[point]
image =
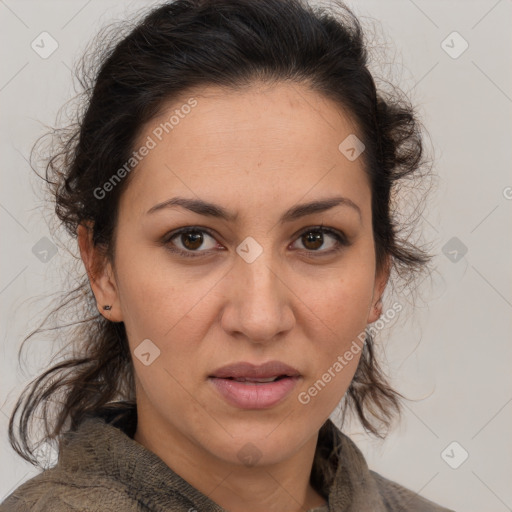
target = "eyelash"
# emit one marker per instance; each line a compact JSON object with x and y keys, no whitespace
{"x":340,"y":238}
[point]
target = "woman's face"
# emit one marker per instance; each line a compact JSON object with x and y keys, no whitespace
{"x":264,"y":284}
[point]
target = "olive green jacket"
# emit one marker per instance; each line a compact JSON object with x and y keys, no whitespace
{"x":102,"y":469}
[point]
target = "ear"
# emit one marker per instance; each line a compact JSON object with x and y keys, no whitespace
{"x":381,"y":280}
{"x":100,"y":273}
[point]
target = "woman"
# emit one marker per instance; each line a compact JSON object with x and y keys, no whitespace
{"x":231,"y":187}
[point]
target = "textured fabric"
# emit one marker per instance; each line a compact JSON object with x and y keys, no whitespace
{"x":102,"y":469}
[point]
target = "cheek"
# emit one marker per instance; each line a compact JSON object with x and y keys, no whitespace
{"x":156,"y":296}
{"x":341,"y":296}
{"x":337,"y":327}
{"x":338,"y":343}
{"x":162,"y":305}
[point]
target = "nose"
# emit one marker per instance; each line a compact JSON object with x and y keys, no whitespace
{"x":258,"y":306}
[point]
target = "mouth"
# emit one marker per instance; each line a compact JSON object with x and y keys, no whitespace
{"x":270,"y":370}
{"x":257,"y":381}
{"x":248,"y":386}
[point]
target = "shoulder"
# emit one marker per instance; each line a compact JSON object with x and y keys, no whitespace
{"x":398,"y":498}
{"x":54,"y":491}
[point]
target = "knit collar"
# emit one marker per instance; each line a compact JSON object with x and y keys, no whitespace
{"x":103,"y":445}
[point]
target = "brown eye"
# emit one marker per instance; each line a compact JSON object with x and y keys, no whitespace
{"x":314,"y":240}
{"x":193,"y":241}
{"x":190,"y":240}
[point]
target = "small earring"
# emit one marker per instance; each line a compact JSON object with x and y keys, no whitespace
{"x":107,"y":307}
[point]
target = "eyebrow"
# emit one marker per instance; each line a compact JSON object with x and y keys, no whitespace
{"x":296,"y":212}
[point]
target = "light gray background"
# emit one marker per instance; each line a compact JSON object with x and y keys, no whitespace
{"x":452,"y":354}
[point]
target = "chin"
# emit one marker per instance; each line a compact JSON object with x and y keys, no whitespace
{"x":251,"y":444}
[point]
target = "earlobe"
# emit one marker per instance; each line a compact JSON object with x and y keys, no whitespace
{"x":375,"y":312}
{"x":100,"y":274}
{"x":381,"y":281}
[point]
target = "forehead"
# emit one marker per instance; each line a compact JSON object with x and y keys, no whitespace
{"x":273,"y":115}
{"x":261,"y":143}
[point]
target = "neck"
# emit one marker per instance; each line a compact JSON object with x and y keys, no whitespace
{"x":284,"y":486}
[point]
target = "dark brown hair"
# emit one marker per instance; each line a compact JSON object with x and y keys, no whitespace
{"x":128,"y":77}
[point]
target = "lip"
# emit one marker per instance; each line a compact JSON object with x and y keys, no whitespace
{"x":246,"y":395}
{"x":249,"y":370}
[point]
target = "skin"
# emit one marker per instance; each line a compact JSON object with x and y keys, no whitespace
{"x":256,"y":152}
